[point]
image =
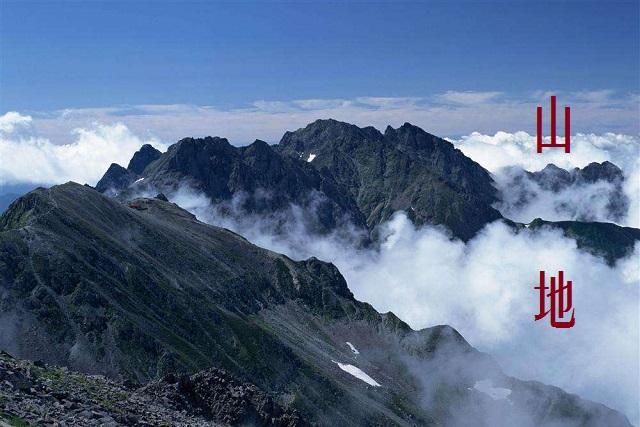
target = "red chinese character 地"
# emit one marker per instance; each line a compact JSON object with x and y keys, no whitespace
{"x":561,"y":301}
{"x":567,"y":128}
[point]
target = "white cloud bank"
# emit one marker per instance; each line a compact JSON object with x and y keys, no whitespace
{"x":485,"y":289}
{"x":503,"y":150}
{"x":28,"y":157}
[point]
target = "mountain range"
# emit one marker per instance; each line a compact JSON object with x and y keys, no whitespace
{"x":340,"y":174}
{"x":143,"y":290}
{"x":111,"y":281}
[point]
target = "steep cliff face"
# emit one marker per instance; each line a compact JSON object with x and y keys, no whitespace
{"x":142,"y":289}
{"x":143,"y":158}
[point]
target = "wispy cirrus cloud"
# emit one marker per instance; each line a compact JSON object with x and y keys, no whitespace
{"x":468,"y":97}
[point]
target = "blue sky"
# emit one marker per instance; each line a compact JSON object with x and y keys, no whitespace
{"x":84,"y":84}
{"x":57,"y":55}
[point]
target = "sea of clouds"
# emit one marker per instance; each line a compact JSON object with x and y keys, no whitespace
{"x":483,"y":288}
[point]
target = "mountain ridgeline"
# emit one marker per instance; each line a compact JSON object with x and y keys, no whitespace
{"x":143,"y":291}
{"x":341,"y":174}
{"x":192,"y":324}
{"x":349,"y":174}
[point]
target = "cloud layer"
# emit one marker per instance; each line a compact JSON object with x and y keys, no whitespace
{"x":451,"y":113}
{"x":484,"y":288}
{"x":27,"y":157}
{"x":503,"y":150}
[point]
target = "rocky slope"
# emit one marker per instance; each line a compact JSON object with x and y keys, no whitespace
{"x":254,"y":179}
{"x":34,"y":393}
{"x":404,"y":169}
{"x":143,"y":290}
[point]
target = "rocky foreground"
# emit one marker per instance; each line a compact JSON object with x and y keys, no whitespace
{"x":33,"y":393}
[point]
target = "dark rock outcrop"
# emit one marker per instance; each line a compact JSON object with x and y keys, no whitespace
{"x":118,"y":178}
{"x":115,"y":179}
{"x":603,"y":239}
{"x":404,"y":169}
{"x":262,"y":181}
{"x":142,"y":158}
{"x":34,"y":393}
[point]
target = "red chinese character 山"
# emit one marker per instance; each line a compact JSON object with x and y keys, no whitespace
{"x":567,"y":128}
{"x":560,"y":296}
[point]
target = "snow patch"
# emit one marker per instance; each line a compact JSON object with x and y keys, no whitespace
{"x":311,"y":157}
{"x":496,"y":393}
{"x":357,"y":372}
{"x":353,"y":349}
{"x":138,"y":180}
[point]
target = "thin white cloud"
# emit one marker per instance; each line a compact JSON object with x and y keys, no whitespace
{"x":451,"y":113}
{"x":319,"y":104}
{"x":468,"y":98}
{"x":389,"y":102}
{"x":12,"y":121}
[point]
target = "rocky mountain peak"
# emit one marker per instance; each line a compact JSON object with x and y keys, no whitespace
{"x":116,"y":177}
{"x":606,"y":171}
{"x":259,"y":149}
{"x":195,"y":147}
{"x":555,"y":178}
{"x":412,"y":137}
{"x":142,"y":158}
{"x":330,"y":134}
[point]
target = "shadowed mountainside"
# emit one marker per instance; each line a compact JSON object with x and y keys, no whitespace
{"x":142,"y":289}
{"x":404,"y":169}
{"x":342,"y":175}
{"x":347,"y":173}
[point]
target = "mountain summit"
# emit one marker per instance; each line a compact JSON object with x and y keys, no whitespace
{"x":404,"y":169}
